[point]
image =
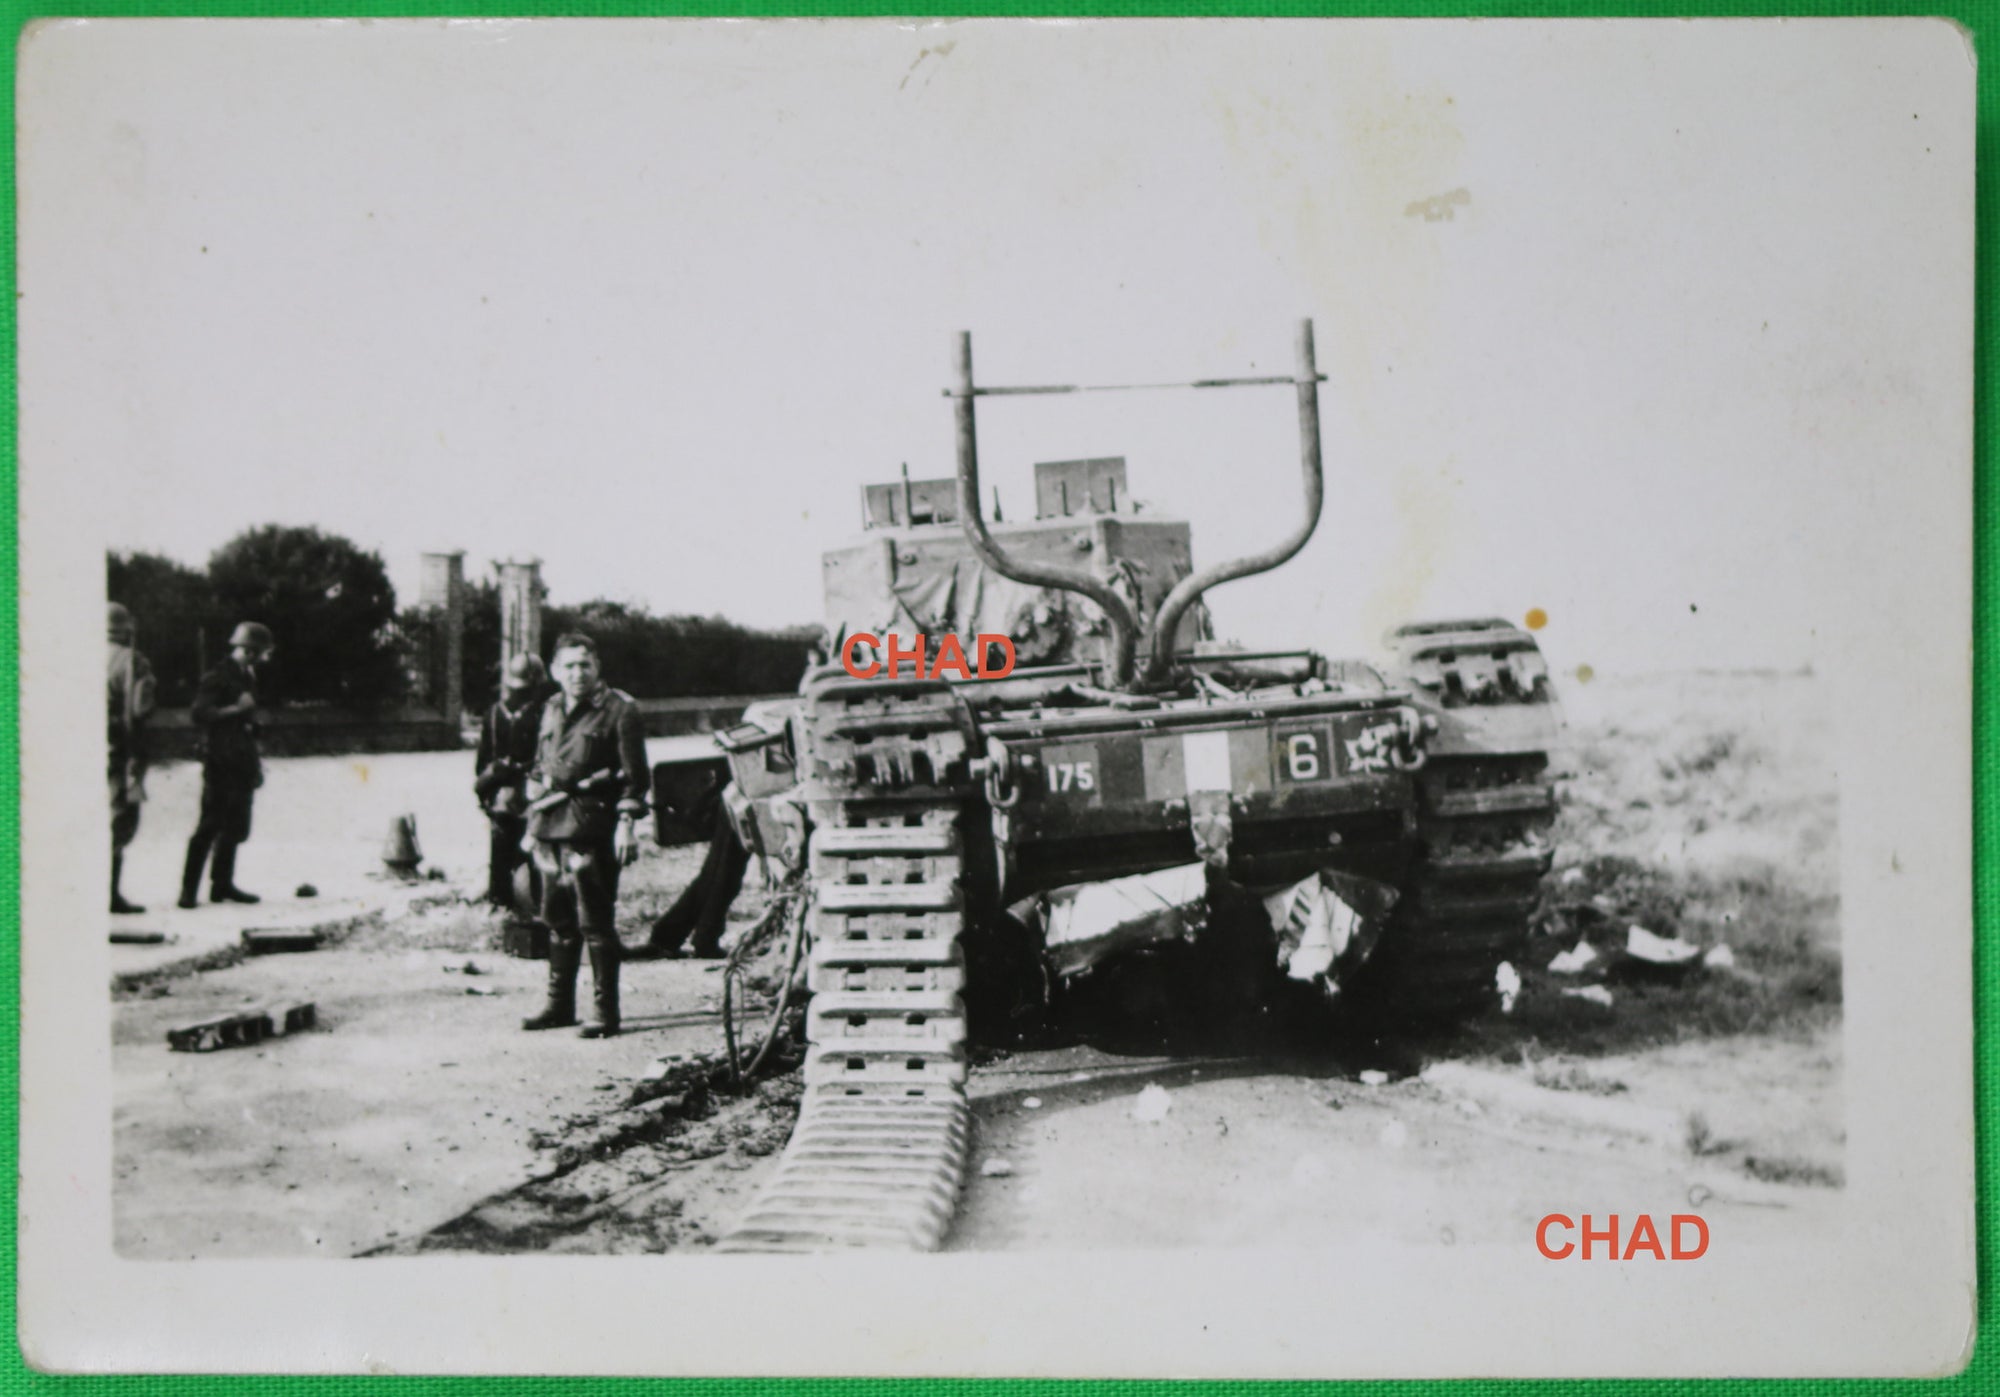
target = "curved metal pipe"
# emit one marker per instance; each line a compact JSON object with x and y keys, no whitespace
{"x":1167,"y":621}
{"x":1124,"y":627}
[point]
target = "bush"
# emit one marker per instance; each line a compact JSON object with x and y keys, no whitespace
{"x":330,"y":608}
{"x":682,"y":656}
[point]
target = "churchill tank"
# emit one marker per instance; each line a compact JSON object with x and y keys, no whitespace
{"x":1011,"y":713}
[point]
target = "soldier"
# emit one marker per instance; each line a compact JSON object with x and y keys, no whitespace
{"x":225,"y":708}
{"x":129,"y":702}
{"x":507,"y":740}
{"x":702,"y":909}
{"x":587,"y":790}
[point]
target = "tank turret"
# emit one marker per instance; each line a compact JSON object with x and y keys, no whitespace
{"x":915,"y":570}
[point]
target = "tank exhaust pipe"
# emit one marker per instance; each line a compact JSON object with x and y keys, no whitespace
{"x":1124,"y":626}
{"x":1188,"y":591}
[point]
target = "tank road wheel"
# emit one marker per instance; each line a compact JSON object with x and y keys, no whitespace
{"x":1482,"y":851}
{"x":879,"y":1150}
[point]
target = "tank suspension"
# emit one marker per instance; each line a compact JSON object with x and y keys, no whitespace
{"x":1166,"y":624}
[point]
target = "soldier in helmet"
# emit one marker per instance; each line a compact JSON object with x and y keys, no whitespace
{"x":225,"y":709}
{"x":129,"y":702}
{"x":507,"y":740}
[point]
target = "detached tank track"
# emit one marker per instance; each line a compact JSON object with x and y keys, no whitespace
{"x":1482,"y":853}
{"x":879,"y":1151}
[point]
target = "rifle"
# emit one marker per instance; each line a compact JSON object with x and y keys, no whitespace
{"x":551,"y":799}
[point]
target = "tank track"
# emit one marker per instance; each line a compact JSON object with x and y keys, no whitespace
{"x":879,"y":1151}
{"x":1482,"y":853}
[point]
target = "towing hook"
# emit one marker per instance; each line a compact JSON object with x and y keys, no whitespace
{"x":1413,"y":730}
{"x":997,"y":766}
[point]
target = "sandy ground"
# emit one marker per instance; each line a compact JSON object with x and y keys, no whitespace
{"x":417,"y":1096}
{"x":1304,"y":1154}
{"x":418,"y":1117}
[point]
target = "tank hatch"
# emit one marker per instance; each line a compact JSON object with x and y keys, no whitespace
{"x":901,"y":503}
{"x":1093,"y":486}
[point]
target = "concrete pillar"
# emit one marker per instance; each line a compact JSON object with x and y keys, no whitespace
{"x":521,"y":594}
{"x":441,"y":592}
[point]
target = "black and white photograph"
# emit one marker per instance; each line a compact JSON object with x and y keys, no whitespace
{"x":1235,"y":698}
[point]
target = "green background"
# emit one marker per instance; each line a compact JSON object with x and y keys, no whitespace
{"x":1984,"y":1373}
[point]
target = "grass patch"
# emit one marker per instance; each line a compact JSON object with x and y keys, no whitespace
{"x":1783,"y":1169}
{"x":1786,"y":979}
{"x":1701,"y":1139}
{"x":1571,"y":1076}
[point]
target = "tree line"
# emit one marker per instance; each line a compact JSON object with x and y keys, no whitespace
{"x":343,"y":641}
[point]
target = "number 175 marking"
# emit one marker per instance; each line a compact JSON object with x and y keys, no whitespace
{"x":1072,"y":776}
{"x":1071,"y":770}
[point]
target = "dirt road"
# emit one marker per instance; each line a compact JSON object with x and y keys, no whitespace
{"x":1302,"y":1153}
{"x":416,"y":1096}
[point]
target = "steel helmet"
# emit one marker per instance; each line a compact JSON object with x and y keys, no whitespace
{"x":118,"y":625}
{"x":253,"y":635}
{"x":523,"y":672}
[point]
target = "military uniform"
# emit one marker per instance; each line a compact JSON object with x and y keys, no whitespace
{"x":129,"y":699}
{"x":231,"y":772}
{"x":590,"y":769}
{"x":702,"y":909}
{"x":507,"y":741}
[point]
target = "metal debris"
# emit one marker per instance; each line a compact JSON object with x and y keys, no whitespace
{"x":1098,"y":920}
{"x":1328,"y":923}
{"x":1641,"y":944}
{"x":1572,"y":961}
{"x":260,"y":941}
{"x":242,"y":1030}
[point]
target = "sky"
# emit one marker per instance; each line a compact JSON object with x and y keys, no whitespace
{"x":1642,"y":326}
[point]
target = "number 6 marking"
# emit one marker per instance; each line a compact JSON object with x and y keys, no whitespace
{"x":1302,"y":756}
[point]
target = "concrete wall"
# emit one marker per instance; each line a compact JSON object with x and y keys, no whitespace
{"x":302,"y":732}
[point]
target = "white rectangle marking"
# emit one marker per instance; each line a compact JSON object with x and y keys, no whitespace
{"x":1206,"y":757}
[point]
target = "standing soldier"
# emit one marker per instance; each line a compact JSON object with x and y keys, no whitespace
{"x":507,"y":740}
{"x":587,"y":789}
{"x":225,"y":709}
{"x":129,"y":702}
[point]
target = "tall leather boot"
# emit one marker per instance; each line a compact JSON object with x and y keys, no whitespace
{"x":118,"y":903}
{"x":222,"y":875}
{"x":604,"y":957}
{"x":197,"y":859}
{"x":560,"y":1011}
